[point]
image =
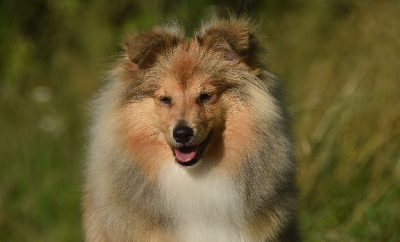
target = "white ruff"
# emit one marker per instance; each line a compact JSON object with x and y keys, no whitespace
{"x":205,"y":205}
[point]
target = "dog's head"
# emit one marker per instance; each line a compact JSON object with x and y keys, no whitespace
{"x":192,"y":83}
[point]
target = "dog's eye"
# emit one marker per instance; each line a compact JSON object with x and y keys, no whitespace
{"x":165,"y":100}
{"x":204,"y":97}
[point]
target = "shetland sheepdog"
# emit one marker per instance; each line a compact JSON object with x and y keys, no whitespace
{"x":189,"y":142}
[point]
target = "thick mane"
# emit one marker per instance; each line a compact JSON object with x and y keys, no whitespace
{"x":189,"y":142}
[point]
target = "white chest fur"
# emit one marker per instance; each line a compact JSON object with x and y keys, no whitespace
{"x":205,"y":205}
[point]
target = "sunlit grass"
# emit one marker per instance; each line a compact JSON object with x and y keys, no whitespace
{"x":346,"y":111}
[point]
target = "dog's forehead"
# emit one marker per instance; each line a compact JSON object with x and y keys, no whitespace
{"x":194,"y":68}
{"x":187,"y":63}
{"x":193,"y":82}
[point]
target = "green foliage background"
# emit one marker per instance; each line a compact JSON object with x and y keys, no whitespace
{"x":340,"y":65}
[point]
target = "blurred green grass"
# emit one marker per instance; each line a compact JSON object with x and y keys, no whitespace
{"x":339,"y":62}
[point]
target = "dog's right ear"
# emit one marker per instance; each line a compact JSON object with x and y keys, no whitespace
{"x":143,"y":49}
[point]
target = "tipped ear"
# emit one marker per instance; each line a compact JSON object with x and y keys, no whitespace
{"x":233,"y":37}
{"x":143,"y":49}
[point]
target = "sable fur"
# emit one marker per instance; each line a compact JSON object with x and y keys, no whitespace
{"x":242,"y":189}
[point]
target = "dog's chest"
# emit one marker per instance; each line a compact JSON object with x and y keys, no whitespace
{"x":205,"y":206}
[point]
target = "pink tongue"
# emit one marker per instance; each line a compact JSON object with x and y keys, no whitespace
{"x":185,"y":155}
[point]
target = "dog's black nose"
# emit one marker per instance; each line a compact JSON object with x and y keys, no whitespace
{"x":182,"y":134}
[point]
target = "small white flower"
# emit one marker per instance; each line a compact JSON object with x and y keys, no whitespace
{"x":41,"y":94}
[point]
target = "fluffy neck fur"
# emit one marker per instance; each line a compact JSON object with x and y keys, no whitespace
{"x":204,"y":205}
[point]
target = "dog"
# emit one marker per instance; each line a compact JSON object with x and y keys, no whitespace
{"x":189,"y":141}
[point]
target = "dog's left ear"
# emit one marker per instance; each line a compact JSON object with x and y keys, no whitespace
{"x":234,"y":38}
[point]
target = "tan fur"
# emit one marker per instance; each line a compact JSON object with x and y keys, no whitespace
{"x":241,"y":189}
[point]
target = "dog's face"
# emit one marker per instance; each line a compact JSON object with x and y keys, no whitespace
{"x":189,"y":105}
{"x":192,"y":84}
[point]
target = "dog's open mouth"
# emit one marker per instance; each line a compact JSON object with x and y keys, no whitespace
{"x":190,"y":155}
